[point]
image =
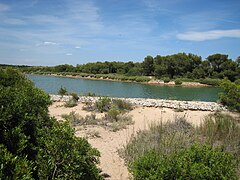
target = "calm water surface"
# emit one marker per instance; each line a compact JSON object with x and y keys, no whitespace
{"x":51,"y":84}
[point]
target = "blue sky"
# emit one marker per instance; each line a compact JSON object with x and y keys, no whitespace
{"x":51,"y":32}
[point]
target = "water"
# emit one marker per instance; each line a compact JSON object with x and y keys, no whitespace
{"x":51,"y":84}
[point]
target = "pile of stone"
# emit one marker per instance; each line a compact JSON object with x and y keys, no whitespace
{"x":174,"y":104}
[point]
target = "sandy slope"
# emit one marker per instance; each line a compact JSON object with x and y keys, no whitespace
{"x":109,"y":142}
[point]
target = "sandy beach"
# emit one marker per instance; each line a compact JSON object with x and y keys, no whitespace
{"x":109,"y":142}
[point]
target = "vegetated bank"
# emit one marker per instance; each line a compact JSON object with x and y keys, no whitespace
{"x":177,"y":68}
{"x":174,"y":104}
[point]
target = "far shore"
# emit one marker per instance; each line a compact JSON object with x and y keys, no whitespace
{"x":151,"y":82}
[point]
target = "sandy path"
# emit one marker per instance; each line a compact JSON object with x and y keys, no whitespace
{"x":109,"y":142}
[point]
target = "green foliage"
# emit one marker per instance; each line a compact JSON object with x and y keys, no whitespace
{"x":223,"y":130}
{"x":74,"y":96}
{"x":113,"y":114}
{"x":169,"y":140}
{"x":75,"y":119}
{"x":208,"y":81}
{"x":164,"y":138}
{"x":103,"y":104}
{"x":122,"y":105}
{"x":166,"y":79}
{"x":237,"y":82}
{"x":231,"y":95}
{"x":33,"y":145}
{"x":70,"y":103}
{"x":148,"y":66}
{"x":178,"y":81}
{"x":195,"y":162}
{"x":67,"y":156}
{"x":14,"y":167}
{"x":62,"y":91}
{"x":180,"y":65}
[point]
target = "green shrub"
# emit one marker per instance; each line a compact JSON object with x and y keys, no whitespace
{"x":70,"y":103}
{"x":164,"y":138}
{"x":62,"y":91}
{"x":237,"y":82}
{"x":178,"y":81}
{"x":33,"y":145}
{"x":221,"y":130}
{"x":75,"y":96}
{"x":212,"y":82}
{"x":195,"y":162}
{"x":75,"y":119}
{"x":142,"y":79}
{"x":14,"y":167}
{"x":103,"y":104}
{"x":122,"y":105}
{"x":113,"y":114}
{"x":230,"y":95}
{"x":166,"y":79}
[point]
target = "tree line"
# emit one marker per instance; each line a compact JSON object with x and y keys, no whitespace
{"x":180,"y":65}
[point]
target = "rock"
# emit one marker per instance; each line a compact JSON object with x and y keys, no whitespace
{"x":187,"y":105}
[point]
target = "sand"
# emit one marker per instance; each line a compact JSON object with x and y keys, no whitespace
{"x":109,"y":142}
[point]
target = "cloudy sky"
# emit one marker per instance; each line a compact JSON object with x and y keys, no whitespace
{"x":51,"y":32}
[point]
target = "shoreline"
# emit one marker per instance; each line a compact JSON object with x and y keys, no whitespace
{"x":162,"y":103}
{"x":150,"y":82}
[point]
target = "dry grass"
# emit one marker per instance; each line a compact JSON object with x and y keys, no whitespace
{"x":218,"y":130}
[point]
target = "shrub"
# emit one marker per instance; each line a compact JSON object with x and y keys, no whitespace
{"x":75,"y":96}
{"x":122,"y":105}
{"x":230,"y":95}
{"x":33,"y":145}
{"x":103,"y":104}
{"x":76,"y":119}
{"x":70,"y":103}
{"x":178,"y":81}
{"x":164,"y":138}
{"x":62,"y":91}
{"x":113,"y":114}
{"x":221,"y":129}
{"x":195,"y":162}
{"x":166,"y":79}
{"x":212,"y":82}
{"x":237,"y":82}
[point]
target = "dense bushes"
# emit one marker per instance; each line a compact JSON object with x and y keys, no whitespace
{"x":33,"y":145}
{"x":231,"y":95}
{"x":195,"y":162}
{"x":176,"y":150}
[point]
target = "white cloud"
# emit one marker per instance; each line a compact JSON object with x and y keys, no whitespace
{"x":208,"y":35}
{"x":47,"y":43}
{"x":68,"y":54}
{"x":77,"y":47}
{"x":4,"y":7}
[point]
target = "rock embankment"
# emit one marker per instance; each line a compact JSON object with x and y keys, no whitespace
{"x":174,"y":104}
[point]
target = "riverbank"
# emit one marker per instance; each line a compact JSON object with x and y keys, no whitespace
{"x":157,"y":103}
{"x":142,"y":80}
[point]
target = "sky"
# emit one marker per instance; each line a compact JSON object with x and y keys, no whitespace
{"x":52,"y":32}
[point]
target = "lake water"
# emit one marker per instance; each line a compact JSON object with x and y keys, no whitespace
{"x":51,"y":84}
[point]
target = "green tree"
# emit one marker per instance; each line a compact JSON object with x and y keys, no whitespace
{"x":230,"y":95}
{"x":148,"y":66}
